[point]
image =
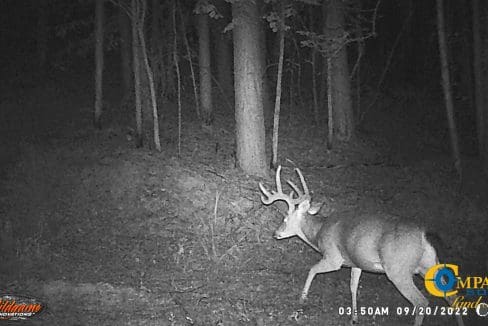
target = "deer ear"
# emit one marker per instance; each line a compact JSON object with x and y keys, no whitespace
{"x":304,"y":205}
{"x":315,"y":208}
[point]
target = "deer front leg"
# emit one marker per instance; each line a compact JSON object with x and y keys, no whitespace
{"x":355,"y":275}
{"x":327,"y":264}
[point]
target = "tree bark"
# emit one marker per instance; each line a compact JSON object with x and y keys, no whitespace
{"x":137,"y":74}
{"x":98,"y":62}
{"x":205,"y":73}
{"x":341,"y":84}
{"x":263,"y":54}
{"x":177,"y":69}
{"x":446,"y":85}
{"x":250,"y":135}
{"x":190,"y":63}
{"x":150,"y":79}
{"x":277,"y":107}
{"x":156,"y":44}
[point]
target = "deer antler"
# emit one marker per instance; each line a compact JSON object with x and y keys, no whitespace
{"x":301,"y":195}
{"x":271,"y":197}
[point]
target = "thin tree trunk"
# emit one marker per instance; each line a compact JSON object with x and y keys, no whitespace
{"x":291,"y":100}
{"x":152,"y":91}
{"x":125,"y":51}
{"x":330,"y":109}
{"x":137,"y":73}
{"x":479,"y":100}
{"x":98,"y":62}
{"x":323,"y":81}
{"x":276,"y":118}
{"x":205,"y":73}
{"x":313,"y":61}
{"x":169,"y":73}
{"x":190,"y":62}
{"x":178,"y":75}
{"x":156,"y":44}
{"x":446,"y":85}
{"x":250,"y":135}
{"x":298,"y":81}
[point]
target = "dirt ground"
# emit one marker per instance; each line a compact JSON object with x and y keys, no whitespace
{"x":106,"y":234}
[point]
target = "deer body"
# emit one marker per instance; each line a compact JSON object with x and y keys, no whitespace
{"x":375,"y":243}
{"x":367,"y":241}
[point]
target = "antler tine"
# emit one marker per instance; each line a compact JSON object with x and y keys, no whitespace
{"x":270,"y":197}
{"x":302,"y":179}
{"x":295,"y":188}
{"x":278,"y":180}
{"x":291,"y":195}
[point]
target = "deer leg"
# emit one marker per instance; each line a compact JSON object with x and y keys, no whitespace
{"x":404,"y":283}
{"x":325,"y":265}
{"x":449,"y":300}
{"x":355,"y":275}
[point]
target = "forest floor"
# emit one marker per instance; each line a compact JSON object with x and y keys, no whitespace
{"x":106,"y":234}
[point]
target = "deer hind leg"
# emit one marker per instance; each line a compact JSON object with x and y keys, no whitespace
{"x":404,"y":283}
{"x":355,"y":275}
{"x":326,"y":264}
{"x":449,"y":300}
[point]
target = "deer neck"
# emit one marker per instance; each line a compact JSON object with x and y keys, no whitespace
{"x":310,"y":228}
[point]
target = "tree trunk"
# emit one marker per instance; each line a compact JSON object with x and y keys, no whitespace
{"x":223,"y":45}
{"x":446,"y":85}
{"x":137,"y":74}
{"x":276,"y":118}
{"x":98,"y":62}
{"x":250,"y":135}
{"x":313,"y":60}
{"x":263,"y":53}
{"x":341,"y":84}
{"x":177,"y":69}
{"x":125,"y":52}
{"x":190,"y":64}
{"x":150,"y":79}
{"x":205,"y":73}
{"x":156,"y":44}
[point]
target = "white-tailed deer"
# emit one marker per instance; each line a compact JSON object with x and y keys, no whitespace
{"x":374,"y":243}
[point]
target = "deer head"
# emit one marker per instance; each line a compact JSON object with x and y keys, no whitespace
{"x":298,"y":208}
